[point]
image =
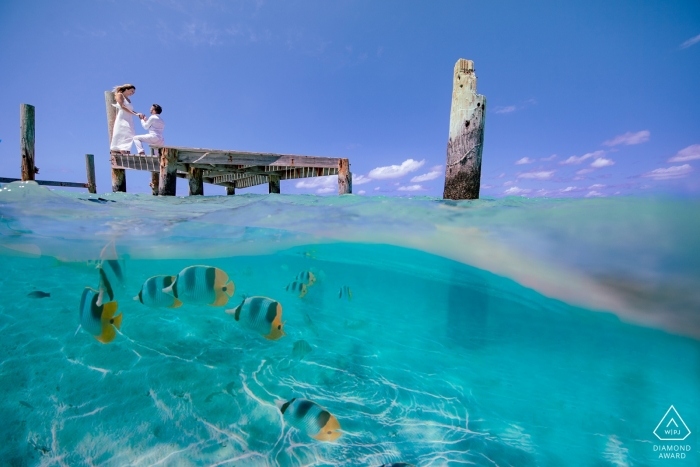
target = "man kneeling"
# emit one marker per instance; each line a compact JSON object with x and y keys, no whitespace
{"x":155,"y":126}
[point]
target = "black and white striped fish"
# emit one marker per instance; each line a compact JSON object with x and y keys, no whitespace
{"x":99,"y":320}
{"x":152,"y":295}
{"x":202,"y":285}
{"x":297,"y":288}
{"x":345,"y":292}
{"x":112,"y":278}
{"x":306,"y":277}
{"x":311,"y":419}
{"x":262,"y":315}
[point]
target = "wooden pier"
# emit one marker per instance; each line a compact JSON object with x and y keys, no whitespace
{"x":231,"y":169}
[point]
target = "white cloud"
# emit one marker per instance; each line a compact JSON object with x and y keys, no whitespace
{"x":486,"y":187}
{"x":594,"y":193}
{"x":508,"y":183}
{"x":570,"y":188}
{"x":629,"y":138}
{"x":360,"y":179}
{"x":578,"y":160}
{"x":320,"y":184}
{"x":688,"y":154}
{"x":524,"y":160}
{"x":550,"y":158}
{"x":678,"y":171}
{"x":434,"y":173}
{"x":501,"y":176}
{"x":583,"y":172}
{"x":516,"y":191}
{"x":411,"y":188}
{"x":505,"y":110}
{"x":376,"y":188}
{"x":691,"y":41}
{"x":542,"y":175}
{"x":396,"y":171}
{"x":600,"y":162}
{"x":597,"y":185}
{"x":361,"y":192}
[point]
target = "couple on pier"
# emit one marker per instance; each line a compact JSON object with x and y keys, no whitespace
{"x":123,"y":131}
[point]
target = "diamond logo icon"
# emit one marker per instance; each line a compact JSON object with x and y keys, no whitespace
{"x":672,"y":427}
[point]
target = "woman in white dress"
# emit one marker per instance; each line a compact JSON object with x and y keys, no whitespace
{"x":123,"y":131}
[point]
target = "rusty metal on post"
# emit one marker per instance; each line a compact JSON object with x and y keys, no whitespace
{"x":168,"y":172}
{"x":26,"y":141}
{"x":90,"y":171}
{"x":344,"y":177}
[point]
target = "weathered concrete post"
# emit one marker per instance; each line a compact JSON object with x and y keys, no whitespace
{"x":90,"y":170}
{"x":344,"y":177}
{"x":26,"y":141}
{"x":168,"y":172}
{"x":118,"y":175}
{"x":467,"y":119}
{"x":195,"y":181}
{"x":273,"y":183}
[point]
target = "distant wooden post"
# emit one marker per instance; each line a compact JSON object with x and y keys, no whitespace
{"x":26,"y":141}
{"x":118,"y":175}
{"x":90,"y":170}
{"x":273,"y":184}
{"x":196,"y":182}
{"x":168,"y":172}
{"x":344,"y":177}
{"x":230,"y":189}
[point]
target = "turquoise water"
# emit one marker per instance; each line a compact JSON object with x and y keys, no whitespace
{"x":512,"y":333}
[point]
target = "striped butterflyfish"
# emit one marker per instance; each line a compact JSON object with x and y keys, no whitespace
{"x":152,"y":295}
{"x":99,"y":320}
{"x":202,"y":285}
{"x":345,"y":292}
{"x":311,"y":419}
{"x":262,"y":315}
{"x":297,"y":288}
{"x":112,"y":277}
{"x":306,"y":277}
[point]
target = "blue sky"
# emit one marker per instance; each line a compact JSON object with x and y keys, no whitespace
{"x":591,"y":98}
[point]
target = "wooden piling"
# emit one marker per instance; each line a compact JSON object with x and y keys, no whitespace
{"x":195,"y":181}
{"x":155,"y":177}
{"x":273,"y":184}
{"x":168,"y":172}
{"x":26,"y":141}
{"x":344,"y":177}
{"x":230,"y":190}
{"x":90,"y":170}
{"x":118,"y":175}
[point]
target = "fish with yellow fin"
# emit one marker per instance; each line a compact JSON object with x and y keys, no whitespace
{"x":297,"y":288}
{"x":112,"y":272}
{"x":152,"y":295}
{"x":311,"y":419}
{"x":202,"y":285}
{"x":101,"y":321}
{"x":306,"y":277}
{"x":262,"y":315}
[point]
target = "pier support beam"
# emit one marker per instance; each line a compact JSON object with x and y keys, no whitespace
{"x":344,"y":177}
{"x":90,"y":170}
{"x":168,"y":172}
{"x":155,"y":178}
{"x":230,"y":189}
{"x":196,"y":182}
{"x":273,"y":184}
{"x":26,"y":141}
{"x":118,"y":175}
{"x":466,"y":140}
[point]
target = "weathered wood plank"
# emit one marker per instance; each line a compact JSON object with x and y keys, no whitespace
{"x":90,"y":171}
{"x":168,"y":172}
{"x":26,"y":141}
{"x":155,"y":181}
{"x":118,"y":180}
{"x":344,"y":177}
{"x":251,"y":181}
{"x":218,"y":156}
{"x":195,"y":181}
{"x":46,"y":182}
